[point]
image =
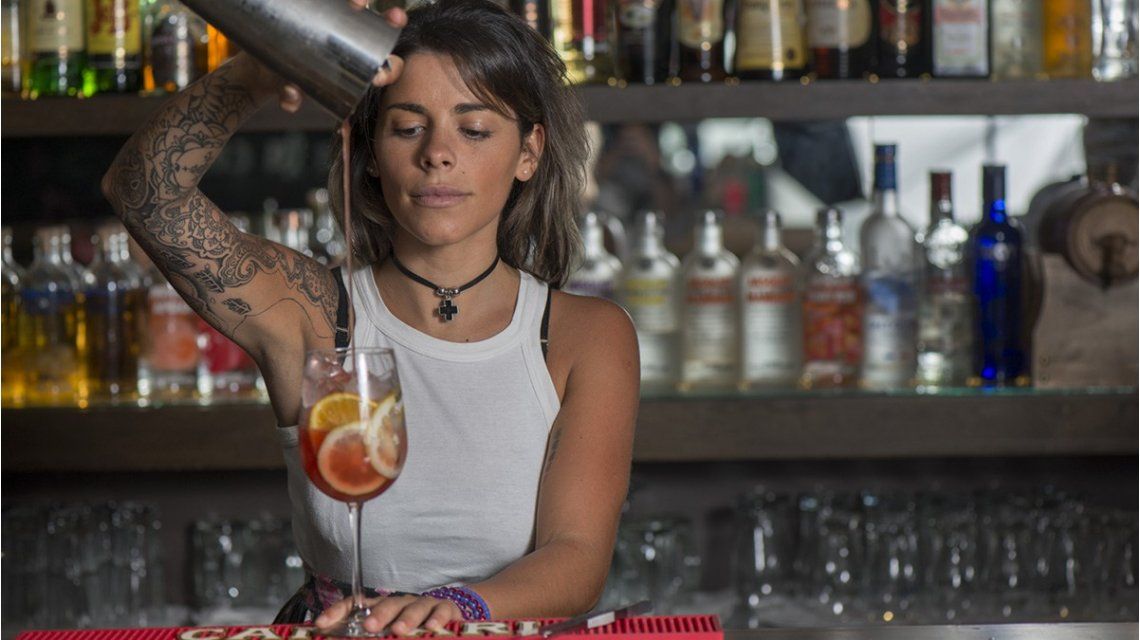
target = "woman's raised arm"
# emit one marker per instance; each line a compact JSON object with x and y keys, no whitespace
{"x":255,"y":291}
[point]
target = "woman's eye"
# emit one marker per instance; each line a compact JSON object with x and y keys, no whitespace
{"x":476,"y":134}
{"x":407,"y":132}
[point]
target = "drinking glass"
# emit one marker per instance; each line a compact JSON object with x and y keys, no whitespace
{"x":353,"y":441}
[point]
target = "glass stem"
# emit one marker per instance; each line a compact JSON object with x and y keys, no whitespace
{"x":357,"y":569}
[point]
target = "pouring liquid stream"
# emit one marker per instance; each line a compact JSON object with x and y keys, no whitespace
{"x":346,"y":154}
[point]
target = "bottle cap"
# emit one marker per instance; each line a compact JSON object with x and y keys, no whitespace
{"x":940,"y":185}
{"x":885,"y":167}
{"x":771,"y":219}
{"x":829,"y":216}
{"x":993,"y":182}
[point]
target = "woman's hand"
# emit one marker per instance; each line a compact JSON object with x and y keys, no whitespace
{"x":403,"y":614}
{"x":290,"y":95}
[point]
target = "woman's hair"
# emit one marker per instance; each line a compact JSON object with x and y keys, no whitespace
{"x":513,"y":70}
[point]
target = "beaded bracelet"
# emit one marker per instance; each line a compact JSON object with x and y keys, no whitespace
{"x":471,"y":605}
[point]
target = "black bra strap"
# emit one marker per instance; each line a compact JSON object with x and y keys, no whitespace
{"x":341,"y":310}
{"x":543,"y":337}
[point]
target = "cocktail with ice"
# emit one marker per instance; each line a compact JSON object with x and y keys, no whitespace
{"x":353,"y":439}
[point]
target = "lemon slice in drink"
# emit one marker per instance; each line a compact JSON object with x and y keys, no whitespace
{"x":343,"y":461}
{"x":383,"y":437}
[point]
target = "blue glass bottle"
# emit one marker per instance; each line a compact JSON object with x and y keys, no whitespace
{"x":998,"y":257}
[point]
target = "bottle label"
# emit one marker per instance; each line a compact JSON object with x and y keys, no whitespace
{"x":838,"y":24}
{"x":900,"y":22}
{"x":832,"y":321}
{"x":650,"y":303}
{"x":701,"y":22}
{"x":173,"y":332}
{"x":637,"y":15}
{"x":889,"y":327}
{"x":710,"y":328}
{"x":945,"y":336}
{"x":113,"y":28}
{"x":770,"y":35}
{"x":589,"y":287}
{"x":55,"y":24}
{"x":960,"y":37}
{"x":769,"y":328}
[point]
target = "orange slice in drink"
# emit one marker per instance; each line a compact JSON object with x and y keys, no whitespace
{"x":337,"y":409}
{"x":383,"y":437}
{"x":343,"y":461}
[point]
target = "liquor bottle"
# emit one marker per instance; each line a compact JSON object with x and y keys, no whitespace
{"x":219,"y":48}
{"x":710,"y":336}
{"x":13,"y":47}
{"x":293,"y":226}
{"x":946,"y":313}
{"x":227,"y":371}
{"x":329,"y":247}
{"x":536,"y":13}
{"x":649,"y":292}
{"x":56,"y":39}
{"x":1114,"y":39}
{"x":770,"y":43}
{"x":48,"y":324}
{"x":114,"y":47}
{"x":996,"y":247}
{"x":960,"y":38}
{"x":580,"y":33}
{"x":889,"y":281}
{"x":599,"y":270}
{"x":1067,"y":35}
{"x":113,"y":306}
{"x":839,"y":33}
{"x":644,"y":41}
{"x":172,"y":355}
{"x":12,"y":384}
{"x":902,"y":44}
{"x":83,"y":281}
{"x":176,"y":47}
{"x":832,"y":308}
{"x":1016,"y":38}
{"x":770,"y":332}
{"x":699,"y":40}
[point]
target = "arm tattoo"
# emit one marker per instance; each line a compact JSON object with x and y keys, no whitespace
{"x":153,"y":185}
{"x":555,"y":438}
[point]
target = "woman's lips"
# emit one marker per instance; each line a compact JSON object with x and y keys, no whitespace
{"x":438,"y":197}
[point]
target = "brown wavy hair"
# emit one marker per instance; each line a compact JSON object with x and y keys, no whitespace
{"x":513,"y":70}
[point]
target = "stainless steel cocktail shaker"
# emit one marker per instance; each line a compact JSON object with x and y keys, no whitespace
{"x":329,"y":48}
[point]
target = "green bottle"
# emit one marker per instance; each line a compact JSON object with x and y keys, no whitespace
{"x":57,"y":45}
{"x":114,"y":47}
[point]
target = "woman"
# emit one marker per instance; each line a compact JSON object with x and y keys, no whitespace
{"x":467,"y":158}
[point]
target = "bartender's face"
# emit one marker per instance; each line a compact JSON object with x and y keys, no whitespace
{"x":447,"y":161}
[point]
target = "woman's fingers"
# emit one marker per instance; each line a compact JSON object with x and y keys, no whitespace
{"x":413,"y":616}
{"x":333,"y":614}
{"x":389,"y":73}
{"x":290,"y":97}
{"x":385,"y":610}
{"x":397,"y":17}
{"x":443,"y":612}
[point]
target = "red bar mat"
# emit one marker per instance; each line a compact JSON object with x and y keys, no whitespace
{"x":664,"y":627}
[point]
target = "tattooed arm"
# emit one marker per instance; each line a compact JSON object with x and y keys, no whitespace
{"x":272,"y":301}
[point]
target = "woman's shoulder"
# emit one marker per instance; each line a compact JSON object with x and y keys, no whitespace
{"x":587,"y":322}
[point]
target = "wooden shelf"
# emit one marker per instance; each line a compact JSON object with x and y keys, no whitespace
{"x":121,"y":115}
{"x":720,"y":427}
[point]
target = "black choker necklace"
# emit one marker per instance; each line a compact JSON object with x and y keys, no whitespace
{"x":446,"y":309}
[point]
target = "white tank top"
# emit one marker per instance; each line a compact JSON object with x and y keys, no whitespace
{"x":478,"y":417}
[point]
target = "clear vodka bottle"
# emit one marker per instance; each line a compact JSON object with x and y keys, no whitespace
{"x":945,"y":320}
{"x":832,"y":308}
{"x":710,"y":335}
{"x":649,"y":291}
{"x":598,"y":271}
{"x":890,"y":284}
{"x":50,"y":324}
{"x":770,"y":332}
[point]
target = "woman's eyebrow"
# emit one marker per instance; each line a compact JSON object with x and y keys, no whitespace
{"x":459,"y":109}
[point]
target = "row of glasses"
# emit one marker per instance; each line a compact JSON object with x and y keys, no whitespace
{"x":871,"y":557}
{"x":242,"y":566}
{"x":655,"y":559}
{"x":83,"y":566}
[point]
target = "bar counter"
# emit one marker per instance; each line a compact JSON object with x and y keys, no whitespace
{"x":1054,"y":631}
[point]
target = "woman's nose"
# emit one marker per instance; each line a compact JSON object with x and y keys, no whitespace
{"x":437,"y":152}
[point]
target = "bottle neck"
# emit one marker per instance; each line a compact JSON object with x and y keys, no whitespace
{"x":7,"y":255}
{"x":995,"y":211}
{"x":593,"y":241}
{"x":941,"y":209}
{"x":771,"y":239}
{"x":649,"y":243}
{"x":886,"y":201}
{"x":832,"y":237}
{"x":710,"y":240}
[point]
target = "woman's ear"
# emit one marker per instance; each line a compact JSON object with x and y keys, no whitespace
{"x":533,"y":144}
